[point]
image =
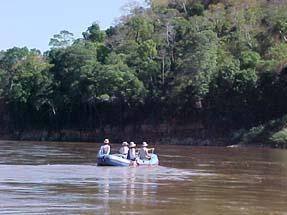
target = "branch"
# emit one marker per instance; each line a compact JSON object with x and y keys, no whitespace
{"x":284,"y":37}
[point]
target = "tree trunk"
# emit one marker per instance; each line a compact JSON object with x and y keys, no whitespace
{"x":163,"y":69}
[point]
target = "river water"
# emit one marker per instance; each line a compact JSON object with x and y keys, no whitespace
{"x":62,"y":178}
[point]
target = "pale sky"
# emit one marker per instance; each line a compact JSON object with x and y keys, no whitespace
{"x":32,"y":23}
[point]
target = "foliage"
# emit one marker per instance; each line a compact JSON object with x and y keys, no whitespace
{"x":62,"y":40}
{"x":273,"y":132}
{"x":279,"y":139}
{"x":254,"y":135}
{"x":221,"y":62}
{"x":94,"y":34}
{"x":140,"y":28}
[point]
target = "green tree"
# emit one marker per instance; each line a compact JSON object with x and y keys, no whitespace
{"x":197,"y":65}
{"x":276,"y":58}
{"x":233,"y":92}
{"x":139,"y":28}
{"x":26,"y":84}
{"x":62,"y":40}
{"x":249,"y":59}
{"x":94,"y":33}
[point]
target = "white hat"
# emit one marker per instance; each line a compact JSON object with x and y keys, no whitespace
{"x":132,"y":144}
{"x":125,"y":144}
{"x":106,"y":141}
{"x":144,"y":144}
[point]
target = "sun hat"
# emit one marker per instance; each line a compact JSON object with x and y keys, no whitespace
{"x":125,"y":144}
{"x":132,"y":145}
{"x":144,"y":144}
{"x":106,"y":141}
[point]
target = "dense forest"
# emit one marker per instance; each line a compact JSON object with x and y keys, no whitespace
{"x":220,"y":62}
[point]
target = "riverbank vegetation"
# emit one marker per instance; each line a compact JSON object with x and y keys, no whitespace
{"x":218,"y":62}
{"x":272,"y":133}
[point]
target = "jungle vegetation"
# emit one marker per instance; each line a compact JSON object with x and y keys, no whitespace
{"x":222,"y":62}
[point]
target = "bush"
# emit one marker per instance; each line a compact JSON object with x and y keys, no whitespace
{"x":255,"y":134}
{"x":274,"y":133}
{"x":236,"y":136}
{"x":277,"y":124}
{"x":279,"y":139}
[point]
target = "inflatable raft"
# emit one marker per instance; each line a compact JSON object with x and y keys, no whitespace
{"x":120,"y":160}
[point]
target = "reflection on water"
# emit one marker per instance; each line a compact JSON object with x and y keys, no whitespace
{"x":46,"y":188}
{"x":62,"y":178}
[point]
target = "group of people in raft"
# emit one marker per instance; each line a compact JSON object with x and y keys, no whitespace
{"x":129,"y":151}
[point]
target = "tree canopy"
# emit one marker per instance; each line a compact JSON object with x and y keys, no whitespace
{"x":218,"y":61}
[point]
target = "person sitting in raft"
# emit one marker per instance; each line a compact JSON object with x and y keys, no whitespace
{"x":144,"y":152}
{"x":105,"y":149}
{"x":132,"y":152}
{"x":124,"y":149}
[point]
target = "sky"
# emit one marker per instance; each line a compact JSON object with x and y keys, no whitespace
{"x":32,"y":23}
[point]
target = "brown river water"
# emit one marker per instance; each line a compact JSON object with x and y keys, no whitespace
{"x":62,"y":178}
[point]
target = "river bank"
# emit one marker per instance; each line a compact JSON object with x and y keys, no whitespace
{"x":271,"y":134}
{"x":166,"y":133}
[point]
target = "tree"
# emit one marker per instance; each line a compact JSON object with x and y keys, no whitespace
{"x":68,"y":64}
{"x":140,"y":28}
{"x":62,"y":40}
{"x":249,"y":59}
{"x":232,"y":93}
{"x":276,"y":58}
{"x":26,"y":84}
{"x":196,"y":66}
{"x":94,"y":33}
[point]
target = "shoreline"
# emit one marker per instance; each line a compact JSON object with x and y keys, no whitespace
{"x":188,"y":141}
{"x":193,"y":134}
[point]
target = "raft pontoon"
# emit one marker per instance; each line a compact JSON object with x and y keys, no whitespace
{"x":120,"y":160}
